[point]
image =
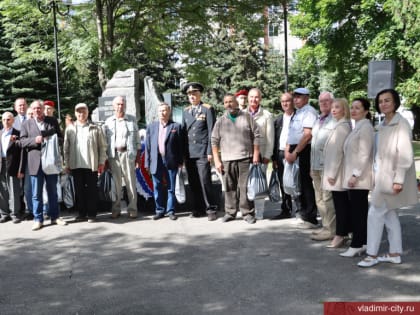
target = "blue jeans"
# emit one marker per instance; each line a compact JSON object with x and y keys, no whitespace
{"x":170,"y":176}
{"x":37,"y":181}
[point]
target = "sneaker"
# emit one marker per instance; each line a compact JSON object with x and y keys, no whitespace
{"x":390,"y":259}
{"x":58,"y":221}
{"x":369,"y":261}
{"x":250,"y":219}
{"x":36,"y":226}
{"x":227,"y":218}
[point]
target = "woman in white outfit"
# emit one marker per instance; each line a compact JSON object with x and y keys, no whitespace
{"x":395,"y":180}
{"x":358,"y":177}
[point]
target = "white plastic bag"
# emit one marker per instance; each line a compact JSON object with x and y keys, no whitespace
{"x":50,"y":156}
{"x":291,"y":178}
{"x":257,"y":183}
{"x":180,"y":187}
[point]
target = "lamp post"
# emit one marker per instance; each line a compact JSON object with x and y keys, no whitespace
{"x":46,"y":7}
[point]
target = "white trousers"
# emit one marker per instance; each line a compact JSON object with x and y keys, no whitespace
{"x":379,"y":217}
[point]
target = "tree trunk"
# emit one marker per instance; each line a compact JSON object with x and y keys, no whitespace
{"x":101,"y":43}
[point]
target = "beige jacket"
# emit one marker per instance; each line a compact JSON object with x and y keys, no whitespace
{"x":334,"y":156}
{"x":96,"y":144}
{"x":358,"y":156}
{"x":264,"y":120}
{"x":394,"y":163}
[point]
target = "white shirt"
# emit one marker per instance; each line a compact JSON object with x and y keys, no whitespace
{"x":82,"y":159}
{"x":284,"y":131}
{"x":5,"y":139}
{"x":304,"y":117}
{"x":121,"y":133}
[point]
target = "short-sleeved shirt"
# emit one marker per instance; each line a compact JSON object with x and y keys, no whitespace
{"x":304,"y":117}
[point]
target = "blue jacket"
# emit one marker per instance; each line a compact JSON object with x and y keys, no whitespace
{"x":174,"y":146}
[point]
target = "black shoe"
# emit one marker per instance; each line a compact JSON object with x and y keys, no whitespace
{"x":212,"y":216}
{"x":283,"y":215}
{"x":5,"y":219}
{"x":196,"y":214}
{"x":250,"y":219}
{"x":28,"y":217}
{"x":158,"y":216}
{"x":172,"y":216}
{"x":16,"y":220}
{"x":228,"y":218}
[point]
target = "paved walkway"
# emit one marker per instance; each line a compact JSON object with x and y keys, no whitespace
{"x":191,"y":266}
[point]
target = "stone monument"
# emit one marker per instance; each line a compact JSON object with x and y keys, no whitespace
{"x":124,"y":83}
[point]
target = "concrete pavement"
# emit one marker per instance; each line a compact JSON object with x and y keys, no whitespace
{"x":191,"y":266}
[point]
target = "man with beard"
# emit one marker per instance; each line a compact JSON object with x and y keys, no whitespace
{"x":237,"y":137}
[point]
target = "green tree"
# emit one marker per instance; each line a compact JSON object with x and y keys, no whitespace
{"x":343,"y":36}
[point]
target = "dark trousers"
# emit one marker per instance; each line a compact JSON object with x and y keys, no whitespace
{"x":235,"y":178}
{"x":199,"y":180}
{"x":359,"y":206}
{"x":86,"y":192}
{"x":342,"y":212}
{"x":307,"y":206}
{"x":286,"y":200}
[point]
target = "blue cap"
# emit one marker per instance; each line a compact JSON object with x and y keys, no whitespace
{"x":301,"y":91}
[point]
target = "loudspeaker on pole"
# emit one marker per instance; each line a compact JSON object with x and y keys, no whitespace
{"x":380,"y":76}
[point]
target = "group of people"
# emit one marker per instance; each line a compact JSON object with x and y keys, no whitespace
{"x":341,"y":159}
{"x":87,"y":149}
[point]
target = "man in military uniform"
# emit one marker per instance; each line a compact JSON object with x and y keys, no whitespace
{"x":198,"y":120}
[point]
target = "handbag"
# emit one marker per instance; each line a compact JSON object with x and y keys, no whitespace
{"x":257,"y":183}
{"x":274,"y":187}
{"x":291,"y":178}
{"x":50,"y":156}
{"x":180,"y":187}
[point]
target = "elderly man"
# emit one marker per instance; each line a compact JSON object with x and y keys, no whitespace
{"x":32,"y":134}
{"x":237,"y":137}
{"x":11,"y":171}
{"x":281,"y":127}
{"x":84,"y":156}
{"x":299,"y":146}
{"x":320,"y":132}
{"x":264,"y":120}
{"x":198,"y":120}
{"x":21,"y":108}
{"x":121,"y":133}
{"x":164,"y":156}
{"x":241,"y":97}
